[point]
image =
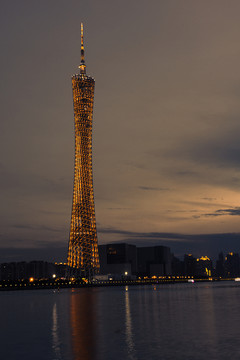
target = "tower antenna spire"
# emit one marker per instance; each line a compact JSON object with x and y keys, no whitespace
{"x":82,"y":65}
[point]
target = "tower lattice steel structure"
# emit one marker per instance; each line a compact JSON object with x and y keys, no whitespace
{"x":83,"y":260}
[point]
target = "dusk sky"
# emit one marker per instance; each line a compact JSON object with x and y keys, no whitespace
{"x":166,"y":123}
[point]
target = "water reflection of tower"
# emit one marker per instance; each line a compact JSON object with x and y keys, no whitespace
{"x":56,"y":344}
{"x":128,"y":325}
{"x":82,"y":250}
{"x":83,"y":324}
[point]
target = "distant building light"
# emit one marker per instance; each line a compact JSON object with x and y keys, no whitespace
{"x":204,"y":258}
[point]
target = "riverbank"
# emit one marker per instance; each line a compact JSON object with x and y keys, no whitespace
{"x":62,"y":284}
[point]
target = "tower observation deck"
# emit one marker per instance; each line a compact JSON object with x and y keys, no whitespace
{"x":83,"y":259}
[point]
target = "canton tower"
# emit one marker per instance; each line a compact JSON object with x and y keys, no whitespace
{"x":83,"y":260}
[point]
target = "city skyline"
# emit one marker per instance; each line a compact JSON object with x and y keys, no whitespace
{"x":166,"y":150}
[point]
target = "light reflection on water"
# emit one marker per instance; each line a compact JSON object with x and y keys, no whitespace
{"x":128,"y":324}
{"x":185,"y":321}
{"x":83,"y":323}
{"x":55,"y":333}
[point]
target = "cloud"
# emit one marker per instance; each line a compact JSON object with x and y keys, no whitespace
{"x":221,"y":212}
{"x":48,"y":252}
{"x":209,"y":199}
{"x":180,"y":244}
{"x":186,"y":173}
{"x":36,"y":228}
{"x":161,"y":235}
{"x":111,"y":208}
{"x":32,"y":184}
{"x":149,"y":188}
{"x":217,"y":146}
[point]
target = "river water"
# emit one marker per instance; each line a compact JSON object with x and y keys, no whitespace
{"x":178,"y":321}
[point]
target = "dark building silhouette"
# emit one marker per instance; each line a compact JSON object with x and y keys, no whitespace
{"x":8,"y":271}
{"x":60,"y":270}
{"x":189,"y":265}
{"x":177,"y":266}
{"x":220,"y":266}
{"x":25,"y":270}
{"x":22,"y":270}
{"x":122,"y":259}
{"x":118,"y":259}
{"x":204,"y":267}
{"x":154,"y":260}
{"x":40,"y":269}
{"x":232,"y":265}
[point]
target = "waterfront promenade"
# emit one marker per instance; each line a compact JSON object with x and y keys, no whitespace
{"x":63,"y":283}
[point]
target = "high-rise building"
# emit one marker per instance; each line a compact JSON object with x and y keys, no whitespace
{"x":189,"y":265}
{"x":220,"y":265}
{"x":204,"y":266}
{"x":232,"y":264}
{"x":83,"y":260}
{"x":154,"y":261}
{"x":118,"y":259}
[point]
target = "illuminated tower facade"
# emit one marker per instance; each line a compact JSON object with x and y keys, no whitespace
{"x":83,"y":260}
